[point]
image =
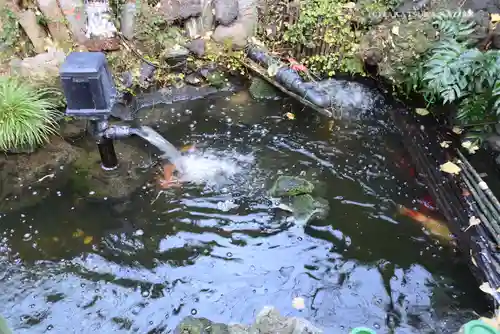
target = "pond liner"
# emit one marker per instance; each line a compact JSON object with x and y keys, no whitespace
{"x":457,"y":197}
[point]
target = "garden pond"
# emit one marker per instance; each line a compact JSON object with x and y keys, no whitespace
{"x":80,"y":262}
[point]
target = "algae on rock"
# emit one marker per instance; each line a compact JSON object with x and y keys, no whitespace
{"x":260,"y":89}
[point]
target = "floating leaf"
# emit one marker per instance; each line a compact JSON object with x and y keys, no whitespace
{"x":486,"y":288}
{"x":450,"y":167}
{"x":395,"y":30}
{"x":470,"y":146}
{"x":422,"y":111}
{"x":473,"y":221}
{"x":88,"y":239}
{"x":445,"y":144}
{"x":289,"y":115}
{"x":78,"y":233}
{"x":457,"y":130}
{"x":272,"y":70}
{"x":298,"y":303}
{"x":472,"y":258}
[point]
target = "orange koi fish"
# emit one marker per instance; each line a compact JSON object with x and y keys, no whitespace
{"x":168,"y":179}
{"x":434,"y":226}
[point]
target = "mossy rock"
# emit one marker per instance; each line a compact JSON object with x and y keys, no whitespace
{"x":290,"y":186}
{"x":393,"y":45}
{"x":261,"y":90}
{"x":216,"y":79}
{"x":192,"y":325}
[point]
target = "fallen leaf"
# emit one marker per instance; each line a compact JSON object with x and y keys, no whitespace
{"x":495,"y":18}
{"x":473,"y":221}
{"x":472,"y":258}
{"x":457,"y":130}
{"x":298,"y":303}
{"x":422,"y":111}
{"x":289,"y":115}
{"x":470,"y":146}
{"x":450,"y":167}
{"x":272,"y":70}
{"x":395,"y":30}
{"x":486,"y":288}
{"x":88,"y":239}
{"x":78,"y":233}
{"x":445,"y":144}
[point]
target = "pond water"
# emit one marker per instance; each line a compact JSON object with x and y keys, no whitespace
{"x":77,"y":263}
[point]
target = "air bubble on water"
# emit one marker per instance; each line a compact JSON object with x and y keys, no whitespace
{"x":229,"y":254}
{"x":145,"y":293}
{"x":194,"y":311}
{"x":91,"y":192}
{"x":34,"y":193}
{"x":27,"y":237}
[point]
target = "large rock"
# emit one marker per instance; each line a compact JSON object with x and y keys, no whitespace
{"x":290,"y":186}
{"x":392,"y":45}
{"x":269,"y":320}
{"x":42,"y":66}
{"x":226,"y":11}
{"x":174,"y":10}
{"x":238,"y":32}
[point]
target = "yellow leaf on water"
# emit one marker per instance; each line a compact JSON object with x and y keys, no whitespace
{"x":470,"y":146}
{"x":457,"y":130}
{"x":289,"y":115}
{"x":298,"y":303}
{"x":495,"y":18}
{"x":472,"y":258}
{"x":473,"y":221}
{"x":78,"y":233}
{"x":486,"y":288}
{"x":88,"y":239}
{"x":450,"y":167}
{"x":422,"y":111}
{"x":445,"y":144}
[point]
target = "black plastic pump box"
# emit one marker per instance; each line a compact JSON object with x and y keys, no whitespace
{"x":87,"y":85}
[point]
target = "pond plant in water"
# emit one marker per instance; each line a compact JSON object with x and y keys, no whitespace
{"x":28,"y":115}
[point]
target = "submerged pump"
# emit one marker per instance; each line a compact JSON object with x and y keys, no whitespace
{"x":91,"y":95}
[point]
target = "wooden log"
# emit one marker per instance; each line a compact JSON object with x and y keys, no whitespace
{"x":29,"y":22}
{"x":56,"y":22}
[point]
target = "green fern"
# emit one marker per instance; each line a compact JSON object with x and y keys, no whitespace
{"x":496,"y":97}
{"x":473,"y":109}
{"x":454,"y":24}
{"x":451,"y":71}
{"x":443,"y":73}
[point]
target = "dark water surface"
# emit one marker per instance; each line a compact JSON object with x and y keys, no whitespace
{"x":220,"y":251}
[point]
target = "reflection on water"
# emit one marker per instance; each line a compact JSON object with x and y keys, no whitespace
{"x":215,"y":248}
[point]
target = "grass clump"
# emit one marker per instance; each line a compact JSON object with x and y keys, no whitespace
{"x":28,"y":116}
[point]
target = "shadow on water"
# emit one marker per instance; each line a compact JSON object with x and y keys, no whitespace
{"x":77,"y":263}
